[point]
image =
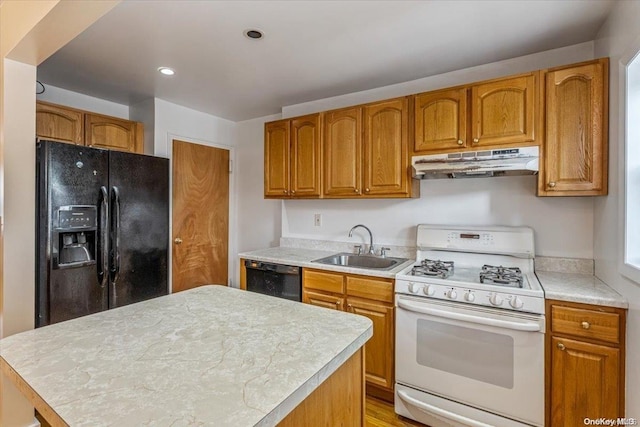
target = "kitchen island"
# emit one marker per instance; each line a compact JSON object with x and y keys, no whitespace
{"x":208,"y":356}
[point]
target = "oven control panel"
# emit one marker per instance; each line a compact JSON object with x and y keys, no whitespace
{"x":469,"y":295}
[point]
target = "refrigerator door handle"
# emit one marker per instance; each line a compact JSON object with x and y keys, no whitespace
{"x":115,"y":245}
{"x":103,"y":263}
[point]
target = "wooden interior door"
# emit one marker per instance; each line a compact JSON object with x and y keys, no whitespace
{"x":200,"y":216}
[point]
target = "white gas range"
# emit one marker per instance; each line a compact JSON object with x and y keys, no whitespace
{"x":470,"y":329}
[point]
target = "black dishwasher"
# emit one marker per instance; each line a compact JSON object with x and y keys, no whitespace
{"x":282,"y":281}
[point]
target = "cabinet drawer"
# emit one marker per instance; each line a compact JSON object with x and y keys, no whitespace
{"x":322,"y":281}
{"x":586,"y":323}
{"x":375,"y":289}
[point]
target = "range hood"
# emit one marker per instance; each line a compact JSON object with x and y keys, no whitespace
{"x":473,"y":164}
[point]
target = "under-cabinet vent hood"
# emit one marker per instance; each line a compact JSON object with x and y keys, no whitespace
{"x":472,"y":164}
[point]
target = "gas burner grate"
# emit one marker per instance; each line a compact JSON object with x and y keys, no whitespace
{"x":502,"y":276}
{"x":433,"y":268}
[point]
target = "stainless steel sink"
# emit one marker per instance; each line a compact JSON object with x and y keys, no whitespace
{"x":346,"y":259}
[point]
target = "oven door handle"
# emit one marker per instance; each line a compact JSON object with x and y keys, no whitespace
{"x":518,"y":326}
{"x":434,"y":410}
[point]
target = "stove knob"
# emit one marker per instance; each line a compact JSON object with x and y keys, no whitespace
{"x":516,"y":302}
{"x":495,"y":299}
{"x":413,"y":288}
{"x":428,"y":290}
{"x":452,"y":294}
{"x":469,"y":296}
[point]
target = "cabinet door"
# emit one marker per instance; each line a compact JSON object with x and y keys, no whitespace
{"x":584,"y":382}
{"x":342,"y":146}
{"x":504,"y":111}
{"x":576,"y":136}
{"x":305,"y":156}
{"x":440,"y":120}
{"x":385,"y":147}
{"x":276,"y":159}
{"x":58,"y":123}
{"x":320,"y":299}
{"x":379,"y":351}
{"x":113,"y":134}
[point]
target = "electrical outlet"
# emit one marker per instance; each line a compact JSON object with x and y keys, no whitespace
{"x":317,"y":220}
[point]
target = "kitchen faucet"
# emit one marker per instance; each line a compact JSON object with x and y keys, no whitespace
{"x":370,"y":236}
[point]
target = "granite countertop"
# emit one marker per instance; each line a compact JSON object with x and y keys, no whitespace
{"x":583,"y":288}
{"x":208,"y":356}
{"x":303,"y":258}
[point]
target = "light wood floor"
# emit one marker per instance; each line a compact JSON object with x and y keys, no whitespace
{"x":381,"y":414}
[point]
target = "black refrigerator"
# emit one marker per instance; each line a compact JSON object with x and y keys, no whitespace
{"x":102,"y":230}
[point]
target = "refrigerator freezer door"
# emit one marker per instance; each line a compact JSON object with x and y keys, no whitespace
{"x":140,"y":227}
{"x":67,"y":175}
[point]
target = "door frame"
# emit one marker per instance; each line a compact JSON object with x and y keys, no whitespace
{"x":231,"y":238}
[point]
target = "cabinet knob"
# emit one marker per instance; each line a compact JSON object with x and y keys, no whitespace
{"x":337,"y":303}
{"x":349,"y":306}
{"x":284,"y":191}
{"x":460,"y":142}
{"x":561,"y":346}
{"x":293,"y":191}
{"x":552,"y":184}
{"x":366,"y":190}
{"x":356,"y":190}
{"x":585,"y":325}
{"x":177,"y":240}
{"x":476,"y":140}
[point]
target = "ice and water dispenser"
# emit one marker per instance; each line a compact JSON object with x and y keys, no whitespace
{"x":75,"y":238}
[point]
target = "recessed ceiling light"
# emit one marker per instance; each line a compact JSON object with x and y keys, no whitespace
{"x":166,"y":71}
{"x":254,"y":34}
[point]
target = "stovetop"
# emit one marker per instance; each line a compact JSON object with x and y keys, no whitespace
{"x":490,"y":266}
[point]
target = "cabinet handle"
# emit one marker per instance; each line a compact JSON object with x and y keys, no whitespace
{"x":552,"y":184}
{"x":284,"y":191}
{"x":337,"y":303}
{"x":293,"y":191}
{"x":177,"y":240}
{"x":460,"y":142}
{"x":585,"y":325}
{"x":356,"y":190}
{"x":561,"y":346}
{"x":349,"y":305}
{"x":476,"y":140}
{"x":366,"y":190}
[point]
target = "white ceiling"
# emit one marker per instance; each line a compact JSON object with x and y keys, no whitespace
{"x":311,"y":49}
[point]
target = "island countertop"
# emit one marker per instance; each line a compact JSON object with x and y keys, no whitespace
{"x":208,"y":356}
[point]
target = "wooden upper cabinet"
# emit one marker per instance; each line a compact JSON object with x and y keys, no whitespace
{"x":59,"y":123}
{"x":65,"y":124}
{"x":504,"y":111}
{"x":276,"y":158}
{"x":112,"y":133}
{"x":575,"y":154}
{"x":342,"y":136}
{"x":440,"y":120}
{"x":385,"y":147}
{"x":306,"y":166}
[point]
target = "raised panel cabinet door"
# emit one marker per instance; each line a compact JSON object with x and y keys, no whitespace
{"x":342,"y":145}
{"x":112,"y":133}
{"x":584,"y":382}
{"x":305,"y":156}
{"x":59,"y":123}
{"x":276,"y":158}
{"x":385,"y":147}
{"x":504,"y":111}
{"x":440,"y":120}
{"x":333,"y":302}
{"x":576,"y":131}
{"x":379,"y":350}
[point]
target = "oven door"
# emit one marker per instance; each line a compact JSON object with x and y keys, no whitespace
{"x":481,"y":358}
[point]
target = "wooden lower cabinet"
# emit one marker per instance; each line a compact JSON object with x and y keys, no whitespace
{"x":585,"y":363}
{"x":367,"y":296}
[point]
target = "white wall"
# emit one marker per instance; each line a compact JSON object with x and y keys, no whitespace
{"x":563,"y":226}
{"x":259,"y":224}
{"x":61,"y":96}
{"x":145,"y":112}
{"x":619,"y":39}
